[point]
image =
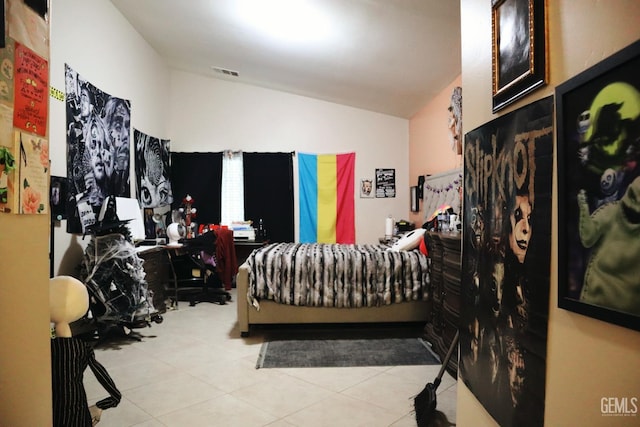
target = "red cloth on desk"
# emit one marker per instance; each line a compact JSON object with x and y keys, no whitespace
{"x":227,"y":266}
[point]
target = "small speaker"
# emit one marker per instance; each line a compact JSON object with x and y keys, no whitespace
{"x":420,"y":186}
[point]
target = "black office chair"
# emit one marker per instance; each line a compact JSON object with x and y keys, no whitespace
{"x":195,"y":272}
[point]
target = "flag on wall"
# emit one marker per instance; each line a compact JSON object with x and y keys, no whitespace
{"x":327,"y":206}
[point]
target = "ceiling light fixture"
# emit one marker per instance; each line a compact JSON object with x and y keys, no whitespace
{"x":286,"y":21}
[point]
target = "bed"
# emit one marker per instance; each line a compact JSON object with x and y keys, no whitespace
{"x":294,"y":283}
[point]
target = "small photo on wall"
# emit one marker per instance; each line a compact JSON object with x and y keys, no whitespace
{"x":58,"y":197}
{"x":366,"y":188}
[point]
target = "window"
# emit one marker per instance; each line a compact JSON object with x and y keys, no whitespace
{"x":232,"y":192}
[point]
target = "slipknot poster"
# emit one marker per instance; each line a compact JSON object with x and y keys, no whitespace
{"x":506,"y":263}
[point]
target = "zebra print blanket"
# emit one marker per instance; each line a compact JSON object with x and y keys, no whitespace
{"x":336,"y":275}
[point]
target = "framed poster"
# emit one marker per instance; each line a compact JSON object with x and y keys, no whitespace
{"x":598,"y":117}
{"x":507,"y":192}
{"x":519,"y":63}
{"x":366,"y":188}
{"x":385,"y":183}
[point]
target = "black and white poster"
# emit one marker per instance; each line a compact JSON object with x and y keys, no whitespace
{"x":98,"y":144}
{"x":153,"y":184}
{"x":385,"y":183}
{"x":506,"y":265}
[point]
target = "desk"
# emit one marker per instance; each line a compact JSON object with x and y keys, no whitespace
{"x":245,"y":247}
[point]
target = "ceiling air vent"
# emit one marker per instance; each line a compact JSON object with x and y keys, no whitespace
{"x":225,"y":71}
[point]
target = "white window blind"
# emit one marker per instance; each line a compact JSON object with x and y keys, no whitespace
{"x":232,"y":203}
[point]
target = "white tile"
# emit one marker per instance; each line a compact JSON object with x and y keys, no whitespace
{"x":387,"y":391}
{"x":149,"y":423}
{"x":116,"y":354}
{"x":408,"y":420}
{"x":342,"y":411}
{"x":334,"y":379}
{"x":224,"y":411}
{"x":125,"y":414}
{"x":175,"y":393}
{"x":446,"y":403}
{"x":232,"y":375}
{"x":281,"y":423}
{"x":143,"y":372}
{"x":282,"y":395}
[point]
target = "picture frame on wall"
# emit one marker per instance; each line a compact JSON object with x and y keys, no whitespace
{"x":519,"y":38}
{"x":598,"y":125}
{"x":59,"y":192}
{"x":366,"y":188}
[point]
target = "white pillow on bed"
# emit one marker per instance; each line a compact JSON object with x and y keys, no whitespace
{"x":409,"y":241}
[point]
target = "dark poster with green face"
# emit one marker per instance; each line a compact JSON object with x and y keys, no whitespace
{"x":506,"y":263}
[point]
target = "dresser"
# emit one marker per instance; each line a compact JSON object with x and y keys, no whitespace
{"x":443,"y":322}
{"x":159,"y":276}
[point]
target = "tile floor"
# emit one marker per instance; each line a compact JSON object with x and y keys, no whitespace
{"x":195,"y":370}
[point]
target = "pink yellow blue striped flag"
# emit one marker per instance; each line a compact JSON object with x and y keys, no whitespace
{"x":327,"y":205}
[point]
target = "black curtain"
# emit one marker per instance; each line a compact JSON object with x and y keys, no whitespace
{"x":268,"y":193}
{"x":200,"y":175}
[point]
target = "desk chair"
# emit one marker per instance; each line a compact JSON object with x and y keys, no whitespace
{"x":195,"y":273}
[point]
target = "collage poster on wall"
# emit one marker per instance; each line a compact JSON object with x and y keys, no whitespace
{"x":6,"y":72}
{"x":98,"y":129}
{"x":33,"y":173}
{"x":385,"y":183}
{"x":506,"y":264}
{"x":31,"y":91}
{"x":8,"y":155}
{"x":153,"y":181}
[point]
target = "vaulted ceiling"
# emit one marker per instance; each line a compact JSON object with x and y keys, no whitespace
{"x":387,"y":56}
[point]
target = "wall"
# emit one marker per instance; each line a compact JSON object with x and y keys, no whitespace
{"x":429,"y":146}
{"x":25,"y":361}
{"x":586,"y":359}
{"x":207,"y":114}
{"x":111,"y":55}
{"x":175,"y":105}
{"x":124,"y":60}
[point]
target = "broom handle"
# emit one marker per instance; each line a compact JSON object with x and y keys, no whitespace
{"x":445,"y":362}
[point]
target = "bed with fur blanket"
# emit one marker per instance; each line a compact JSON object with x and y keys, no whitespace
{"x":285,"y":283}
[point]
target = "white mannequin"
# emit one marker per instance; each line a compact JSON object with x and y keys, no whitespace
{"x":68,"y":302}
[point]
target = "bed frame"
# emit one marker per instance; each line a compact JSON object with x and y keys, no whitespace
{"x":272,"y":313}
